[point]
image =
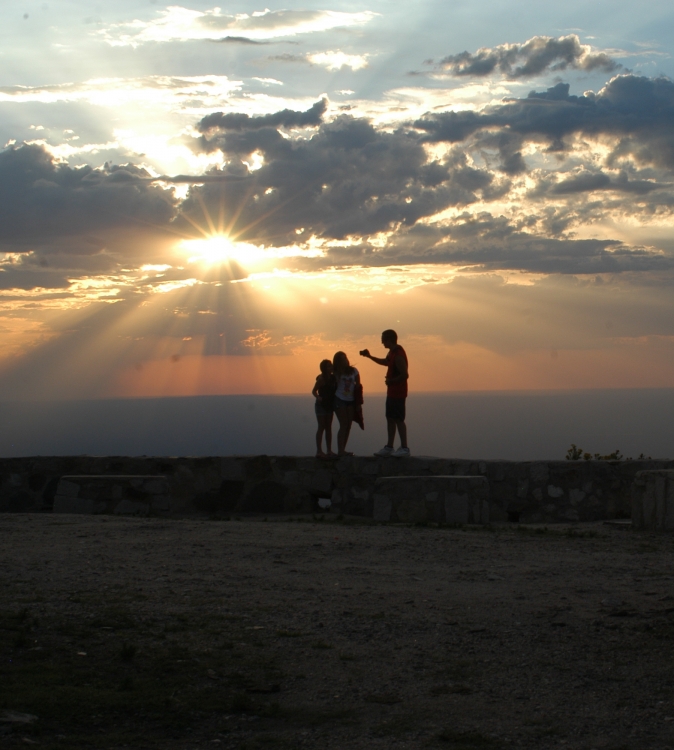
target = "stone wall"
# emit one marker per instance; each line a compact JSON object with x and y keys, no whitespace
{"x":538,"y":491}
{"x":653,"y":500}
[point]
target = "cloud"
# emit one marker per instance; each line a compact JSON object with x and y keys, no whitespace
{"x":347,"y":179}
{"x":635,"y":109}
{"x":146,"y":90}
{"x":239,"y":40}
{"x":536,"y":56}
{"x":589,"y":181}
{"x":332,"y":59}
{"x":491,"y":243}
{"x":349,"y":192}
{"x":286,"y":118}
{"x":43,"y":202}
{"x":180,"y":24}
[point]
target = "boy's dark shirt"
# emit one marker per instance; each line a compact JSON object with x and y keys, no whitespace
{"x":395,"y":390}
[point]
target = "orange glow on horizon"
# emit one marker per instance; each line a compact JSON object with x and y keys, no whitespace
{"x":460,"y":367}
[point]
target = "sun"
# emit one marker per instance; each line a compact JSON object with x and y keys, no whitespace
{"x":218,"y":249}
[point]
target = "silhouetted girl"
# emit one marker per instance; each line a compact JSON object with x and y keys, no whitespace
{"x":347,"y":379}
{"x":324,"y":393}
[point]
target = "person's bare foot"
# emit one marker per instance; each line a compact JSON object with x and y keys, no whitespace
{"x":320,"y":454}
{"x":346,"y":453}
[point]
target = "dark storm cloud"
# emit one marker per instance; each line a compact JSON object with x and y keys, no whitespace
{"x":637,"y":110}
{"x":347,"y":179}
{"x":538,"y":55}
{"x":287,"y":118}
{"x":43,"y":202}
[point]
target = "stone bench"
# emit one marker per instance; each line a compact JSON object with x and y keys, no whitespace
{"x":443,"y":499}
{"x":121,"y":495}
{"x":653,"y":500}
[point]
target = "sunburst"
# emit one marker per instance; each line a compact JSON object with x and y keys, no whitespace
{"x":217,"y":249}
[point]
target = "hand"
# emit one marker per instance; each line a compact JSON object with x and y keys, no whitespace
{"x":388,"y":381}
{"x":365,"y":353}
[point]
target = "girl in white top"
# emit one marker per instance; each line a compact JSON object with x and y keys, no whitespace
{"x":347,"y":377}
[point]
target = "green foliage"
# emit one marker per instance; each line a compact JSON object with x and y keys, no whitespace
{"x":575,"y":454}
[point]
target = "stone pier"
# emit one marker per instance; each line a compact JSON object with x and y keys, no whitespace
{"x":653,"y":500}
{"x":443,"y":499}
{"x":529,"y":491}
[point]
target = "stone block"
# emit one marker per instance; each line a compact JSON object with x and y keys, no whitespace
{"x":454,"y":499}
{"x":161,"y":503}
{"x":539,"y":472}
{"x":259,"y":467}
{"x":70,"y":504}
{"x":669,"y":512}
{"x":555,"y":491}
{"x":456,"y":508}
{"x":131,"y":508}
{"x":18,"y":501}
{"x":382,"y":507}
{"x":155,"y":486}
{"x":232,"y":468}
{"x":411,"y":509}
{"x":267,"y":496}
{"x":298,"y":500}
{"x":496,"y":472}
{"x":336,"y":500}
{"x":321,"y":481}
{"x":576,"y":496}
{"x":291,"y":477}
{"x":570,"y":514}
{"x":107,"y":493}
{"x":67,"y":489}
{"x":359,"y":494}
{"x":652,"y":496}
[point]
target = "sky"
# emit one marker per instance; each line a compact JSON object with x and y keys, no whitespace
{"x":200,"y":200}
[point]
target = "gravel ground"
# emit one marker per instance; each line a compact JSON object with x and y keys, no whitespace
{"x":119,"y":632}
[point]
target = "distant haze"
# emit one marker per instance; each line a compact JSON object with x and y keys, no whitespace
{"x":489,"y":425}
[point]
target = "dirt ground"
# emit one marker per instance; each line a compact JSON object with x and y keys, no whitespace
{"x":309,"y":633}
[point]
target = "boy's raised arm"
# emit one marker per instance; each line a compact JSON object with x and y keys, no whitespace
{"x":378,"y":360}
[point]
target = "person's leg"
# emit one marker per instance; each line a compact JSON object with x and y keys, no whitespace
{"x":328,"y":433}
{"x":319,"y":435}
{"x":340,"y":411}
{"x":402,"y":431}
{"x":349,"y":422}
{"x":391,"y":429}
{"x":345,"y":417}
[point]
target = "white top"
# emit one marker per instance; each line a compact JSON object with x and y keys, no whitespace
{"x":346,"y":384}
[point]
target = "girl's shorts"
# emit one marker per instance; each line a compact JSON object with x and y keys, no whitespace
{"x":340,"y":403}
{"x":321,"y":410}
